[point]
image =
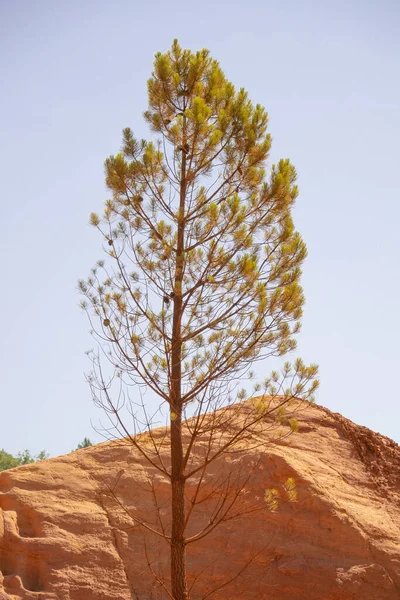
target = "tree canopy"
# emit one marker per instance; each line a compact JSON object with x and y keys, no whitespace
{"x":8,"y":461}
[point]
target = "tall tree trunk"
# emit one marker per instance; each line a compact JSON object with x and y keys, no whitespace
{"x":178,"y":547}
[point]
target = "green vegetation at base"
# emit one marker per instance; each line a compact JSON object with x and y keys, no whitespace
{"x":8,"y":461}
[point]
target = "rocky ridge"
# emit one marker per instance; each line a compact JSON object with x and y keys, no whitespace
{"x":63,"y":536}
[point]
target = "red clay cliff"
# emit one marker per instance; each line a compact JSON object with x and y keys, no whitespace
{"x":63,"y":536}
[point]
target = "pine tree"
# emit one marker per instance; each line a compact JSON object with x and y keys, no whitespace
{"x":201,"y":278}
{"x":84,"y":444}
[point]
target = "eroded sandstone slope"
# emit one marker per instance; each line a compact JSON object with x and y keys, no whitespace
{"x":63,"y":536}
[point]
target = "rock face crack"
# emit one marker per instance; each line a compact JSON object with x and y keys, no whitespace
{"x":20,"y":565}
{"x":117,"y":544}
{"x":113,"y":529}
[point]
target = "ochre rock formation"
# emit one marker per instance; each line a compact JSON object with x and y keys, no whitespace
{"x":64,"y":536}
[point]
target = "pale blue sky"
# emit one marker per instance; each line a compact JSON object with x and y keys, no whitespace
{"x":73,"y":74}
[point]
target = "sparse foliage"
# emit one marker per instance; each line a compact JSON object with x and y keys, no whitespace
{"x":84,"y":444}
{"x":201,"y":279}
